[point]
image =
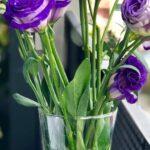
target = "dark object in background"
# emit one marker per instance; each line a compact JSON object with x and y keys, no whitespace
{"x":4,"y":67}
{"x":127,"y":135}
{"x":24,"y":127}
{"x":19,"y":124}
{"x":4,"y":85}
{"x":73,"y":43}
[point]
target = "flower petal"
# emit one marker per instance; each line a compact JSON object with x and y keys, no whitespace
{"x":130,"y":97}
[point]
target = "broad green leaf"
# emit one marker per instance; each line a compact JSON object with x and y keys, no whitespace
{"x":80,"y":129}
{"x":75,"y":89}
{"x":25,"y":101}
{"x":83,"y":103}
{"x":30,"y":66}
{"x":100,"y":123}
{"x":104,"y":138}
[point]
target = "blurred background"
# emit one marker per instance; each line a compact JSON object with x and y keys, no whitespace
{"x":19,"y":126}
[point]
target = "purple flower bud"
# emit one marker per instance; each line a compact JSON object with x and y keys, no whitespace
{"x":127,"y":81}
{"x":33,"y":15}
{"x":146,"y":45}
{"x":58,"y":10}
{"x":136,"y":14}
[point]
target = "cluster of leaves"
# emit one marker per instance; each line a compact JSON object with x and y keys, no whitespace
{"x":75,"y":96}
{"x":109,"y":43}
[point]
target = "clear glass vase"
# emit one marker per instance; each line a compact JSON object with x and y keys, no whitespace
{"x":82,"y":133}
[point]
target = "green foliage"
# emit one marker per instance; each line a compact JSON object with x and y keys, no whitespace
{"x":104,"y":136}
{"x":30,"y":66}
{"x":47,"y":95}
{"x":25,"y":101}
{"x":83,"y":103}
{"x":75,"y":95}
{"x":109,"y":43}
{"x":108,"y":107}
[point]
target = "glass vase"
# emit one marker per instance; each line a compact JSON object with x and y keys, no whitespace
{"x":81,"y":133}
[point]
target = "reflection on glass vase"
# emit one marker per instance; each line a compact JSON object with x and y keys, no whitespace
{"x":88,"y":133}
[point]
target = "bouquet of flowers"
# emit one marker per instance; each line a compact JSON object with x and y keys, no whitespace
{"x":94,"y":92}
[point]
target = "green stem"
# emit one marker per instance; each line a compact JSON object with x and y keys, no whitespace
{"x":98,"y":124}
{"x":137,"y":44}
{"x":122,"y":47}
{"x":30,"y":43}
{"x":99,"y":60}
{"x":91,"y":128}
{"x":100,"y":104}
{"x":70,"y":133}
{"x":103,"y":90}
{"x":58,"y":62}
{"x":94,"y":50}
{"x":90,"y":8}
{"x":109,"y":20}
{"x":41,"y":98}
{"x":82,"y":20}
{"x":29,"y":81}
{"x":126,"y":49}
{"x":46,"y":43}
{"x":50,"y":87}
{"x":84,"y":27}
{"x":47,"y":48}
{"x":37,"y":89}
{"x":86,"y":42}
{"x":108,"y":24}
{"x":23,"y":49}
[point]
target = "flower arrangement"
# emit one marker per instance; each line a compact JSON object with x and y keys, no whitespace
{"x":93,"y":90}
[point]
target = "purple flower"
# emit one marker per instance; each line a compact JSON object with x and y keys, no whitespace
{"x":136,"y":14}
{"x":146,"y":45}
{"x":33,"y":15}
{"x":127,"y":81}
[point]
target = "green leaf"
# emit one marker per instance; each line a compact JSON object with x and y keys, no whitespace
{"x":30,"y":66}
{"x":25,"y":101}
{"x":73,"y":92}
{"x":109,"y":45}
{"x":108,"y":107}
{"x":80,"y":129}
{"x":104,"y":138}
{"x":83,"y":103}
